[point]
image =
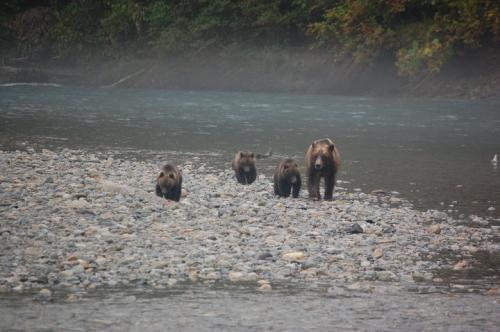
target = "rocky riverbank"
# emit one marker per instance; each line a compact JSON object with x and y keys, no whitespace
{"x":77,"y":220}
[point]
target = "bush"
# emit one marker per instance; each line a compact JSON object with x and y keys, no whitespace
{"x":119,"y":26}
{"x":78,"y":30}
{"x":420,"y":36}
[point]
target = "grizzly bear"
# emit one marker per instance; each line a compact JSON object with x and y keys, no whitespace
{"x":244,"y":167}
{"x":322,"y":160}
{"x":286,"y":177}
{"x":169,"y":183}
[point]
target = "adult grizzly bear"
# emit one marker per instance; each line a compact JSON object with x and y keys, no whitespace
{"x":244,"y":167}
{"x":169,"y":183}
{"x":286,"y":177}
{"x":322,"y":160}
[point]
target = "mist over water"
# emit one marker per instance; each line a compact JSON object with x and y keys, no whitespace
{"x":435,"y":152}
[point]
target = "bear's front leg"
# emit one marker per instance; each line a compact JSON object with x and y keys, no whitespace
{"x":285,"y":188}
{"x":313,"y":185}
{"x":329,"y":186}
{"x":296,"y":188}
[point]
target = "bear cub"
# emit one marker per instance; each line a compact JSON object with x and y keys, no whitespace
{"x":322,"y":161}
{"x":286,"y":178}
{"x":244,"y":167}
{"x":169,"y":183}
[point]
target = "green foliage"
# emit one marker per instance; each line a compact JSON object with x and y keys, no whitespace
{"x":157,"y":17}
{"x":32,"y":29}
{"x":358,"y":28}
{"x":198,"y":25}
{"x":420,"y":36}
{"x":119,"y":26}
{"x":77,"y":29}
{"x":425,"y":59}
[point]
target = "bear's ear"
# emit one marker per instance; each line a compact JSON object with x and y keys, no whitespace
{"x":161,"y":174}
{"x":241,"y":154}
{"x":251,"y":155}
{"x":331,"y":147}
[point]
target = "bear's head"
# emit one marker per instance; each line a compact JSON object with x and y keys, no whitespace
{"x":322,"y":154}
{"x":168,"y":178}
{"x":246,"y":161}
{"x":290,"y":169}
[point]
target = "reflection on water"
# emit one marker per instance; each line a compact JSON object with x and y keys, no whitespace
{"x":437,"y":153}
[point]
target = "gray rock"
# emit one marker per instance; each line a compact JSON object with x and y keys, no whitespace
{"x":355,"y":229}
{"x":265,"y":255}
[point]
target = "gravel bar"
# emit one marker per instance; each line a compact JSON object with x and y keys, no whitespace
{"x":78,"y":220}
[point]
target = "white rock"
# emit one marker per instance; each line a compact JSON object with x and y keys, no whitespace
{"x":296,"y":256}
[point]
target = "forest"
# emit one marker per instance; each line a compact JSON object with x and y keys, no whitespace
{"x":417,"y":36}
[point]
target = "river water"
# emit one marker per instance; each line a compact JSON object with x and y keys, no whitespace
{"x":434,"y":152}
{"x":240,"y":308}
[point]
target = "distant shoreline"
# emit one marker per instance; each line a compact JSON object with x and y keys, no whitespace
{"x":292,"y":71}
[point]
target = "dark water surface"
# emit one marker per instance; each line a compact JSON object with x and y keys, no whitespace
{"x":436,"y":153}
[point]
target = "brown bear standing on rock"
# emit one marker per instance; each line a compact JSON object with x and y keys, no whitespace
{"x":169,"y":183}
{"x":286,"y":177}
{"x":244,"y":167}
{"x":322,"y":160}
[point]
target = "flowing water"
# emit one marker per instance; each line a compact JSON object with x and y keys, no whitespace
{"x":436,"y":153}
{"x":239,"y":308}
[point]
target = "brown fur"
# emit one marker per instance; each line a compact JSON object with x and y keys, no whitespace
{"x":322,"y":160}
{"x":169,"y":183}
{"x":244,"y":167}
{"x":286,"y":178}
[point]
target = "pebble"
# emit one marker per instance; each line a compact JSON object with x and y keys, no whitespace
{"x":386,"y":276}
{"x":45,"y":293}
{"x":377,"y":253}
{"x":355,"y":229}
{"x":493,"y":292}
{"x":265,"y":255}
{"x":296,"y":256}
{"x":264,"y":288}
{"x":358,"y":286}
{"x":18,"y":288}
{"x":461,"y":265}
{"x":435,"y":229}
{"x":94,"y":220}
{"x":236,"y":276}
{"x":72,"y":298}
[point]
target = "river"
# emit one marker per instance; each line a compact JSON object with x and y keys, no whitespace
{"x":436,"y":153}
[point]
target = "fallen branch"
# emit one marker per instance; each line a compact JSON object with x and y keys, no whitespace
{"x":126,"y":78}
{"x":268,"y":154}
